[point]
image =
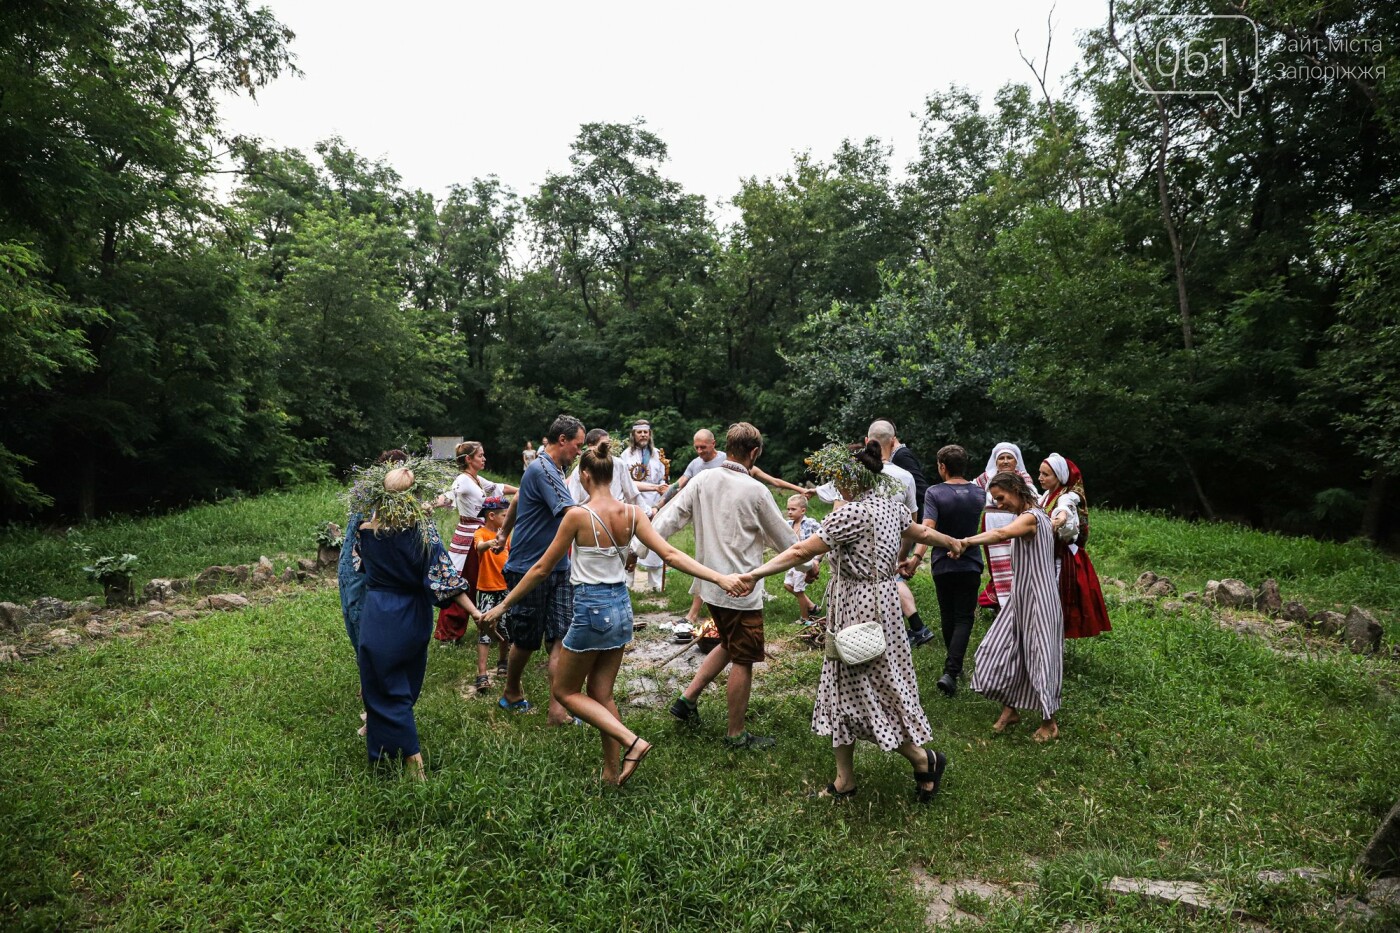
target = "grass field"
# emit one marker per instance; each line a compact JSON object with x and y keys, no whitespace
{"x":208,"y":776}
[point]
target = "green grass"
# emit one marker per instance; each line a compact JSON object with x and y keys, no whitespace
{"x":41,"y":562}
{"x":208,"y":776}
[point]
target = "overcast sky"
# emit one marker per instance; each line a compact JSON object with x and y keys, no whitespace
{"x":447,"y":91}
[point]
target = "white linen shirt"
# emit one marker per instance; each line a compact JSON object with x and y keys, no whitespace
{"x":735,"y":517}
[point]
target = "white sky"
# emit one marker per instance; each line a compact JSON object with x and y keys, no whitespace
{"x":448,"y":91}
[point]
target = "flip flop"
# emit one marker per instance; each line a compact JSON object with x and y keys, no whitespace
{"x":520,"y":706}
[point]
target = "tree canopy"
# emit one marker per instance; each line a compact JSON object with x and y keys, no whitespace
{"x":1199,"y":307}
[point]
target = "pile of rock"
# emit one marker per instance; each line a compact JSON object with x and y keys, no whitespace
{"x":48,"y":624}
{"x":1264,"y":611}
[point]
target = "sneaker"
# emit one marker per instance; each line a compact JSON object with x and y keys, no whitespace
{"x":749,"y":740}
{"x":947,"y":685}
{"x":685,"y":711}
{"x":920,"y":636}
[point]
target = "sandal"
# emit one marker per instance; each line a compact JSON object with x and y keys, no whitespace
{"x":521,"y":705}
{"x":830,"y":792}
{"x":628,"y":759}
{"x":937,"y":762}
{"x":483,"y":683}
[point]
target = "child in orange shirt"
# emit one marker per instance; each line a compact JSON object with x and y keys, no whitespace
{"x":490,"y":588}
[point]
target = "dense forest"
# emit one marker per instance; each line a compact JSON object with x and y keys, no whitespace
{"x":1199,"y":307}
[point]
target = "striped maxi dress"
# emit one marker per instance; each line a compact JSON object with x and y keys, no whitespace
{"x":1019,"y":662}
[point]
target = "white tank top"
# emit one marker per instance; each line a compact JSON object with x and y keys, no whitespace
{"x":599,"y":564}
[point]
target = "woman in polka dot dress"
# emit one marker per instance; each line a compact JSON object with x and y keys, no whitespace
{"x":877,"y":701}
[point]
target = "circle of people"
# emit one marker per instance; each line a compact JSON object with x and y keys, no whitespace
{"x":548,"y":564}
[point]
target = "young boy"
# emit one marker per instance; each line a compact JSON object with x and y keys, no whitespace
{"x":490,"y":588}
{"x":795,"y":581}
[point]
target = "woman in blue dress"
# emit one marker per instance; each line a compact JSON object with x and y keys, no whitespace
{"x":407,"y":575}
{"x":352,"y":582}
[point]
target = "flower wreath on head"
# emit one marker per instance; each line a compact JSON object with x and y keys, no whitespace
{"x":835,"y":463}
{"x":396,"y":510}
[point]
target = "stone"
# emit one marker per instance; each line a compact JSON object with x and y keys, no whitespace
{"x":159,"y":591}
{"x":1328,"y":622}
{"x":1363,"y":632}
{"x":151,"y":618}
{"x":227,"y":601}
{"x":303,"y":575}
{"x":97,"y":629}
{"x":1268,"y":600}
{"x":13,"y":617}
{"x":327,"y":556}
{"x":8,"y":654}
{"x":308,"y":565}
{"x":263,"y":572}
{"x":35,"y":649}
{"x":289,"y":575}
{"x":1382,"y":854}
{"x":1312,"y":875}
{"x":1161,"y":587}
{"x":1173,"y":605}
{"x":1115,"y":582}
{"x":1147,"y":579}
{"x":36,"y":630}
{"x":1229,"y":594}
{"x":212,"y":576}
{"x":1194,"y":897}
{"x":63,"y":638}
{"x":1384,"y":893}
{"x":48,"y":609}
{"x":1295,"y":611}
{"x":1191,"y":596}
{"x":184,"y":615}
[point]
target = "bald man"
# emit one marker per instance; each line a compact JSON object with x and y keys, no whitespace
{"x":882,"y":433}
{"x":706,"y":458}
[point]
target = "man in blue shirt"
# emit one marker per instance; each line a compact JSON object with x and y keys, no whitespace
{"x":953,"y":507}
{"x":534,"y":517}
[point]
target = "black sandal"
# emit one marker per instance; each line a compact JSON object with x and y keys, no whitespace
{"x":834,"y":794}
{"x":625,"y":775}
{"x":937,"y":762}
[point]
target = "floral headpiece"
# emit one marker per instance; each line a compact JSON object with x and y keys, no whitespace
{"x":835,"y":463}
{"x":395,"y":510}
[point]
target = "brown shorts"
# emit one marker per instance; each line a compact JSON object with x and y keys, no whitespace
{"x":740,"y":633}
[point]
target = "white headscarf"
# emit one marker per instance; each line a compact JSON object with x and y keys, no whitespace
{"x":1005,"y":447}
{"x":1059,"y":467}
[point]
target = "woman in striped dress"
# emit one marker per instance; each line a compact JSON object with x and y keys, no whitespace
{"x":1005,"y":458}
{"x":1019,"y":662}
{"x":468,"y":493}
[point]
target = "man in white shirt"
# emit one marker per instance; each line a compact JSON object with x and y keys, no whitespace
{"x":882,"y":433}
{"x":735,"y":517}
{"x":707,"y":457}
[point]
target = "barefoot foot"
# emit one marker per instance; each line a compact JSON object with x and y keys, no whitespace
{"x":1048,"y":731}
{"x":1008,"y":718}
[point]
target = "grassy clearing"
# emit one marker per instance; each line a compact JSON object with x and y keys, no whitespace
{"x":209,"y":775}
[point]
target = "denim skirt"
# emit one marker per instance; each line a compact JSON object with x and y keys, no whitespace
{"x":602,"y":617}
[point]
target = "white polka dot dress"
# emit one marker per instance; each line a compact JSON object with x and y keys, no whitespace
{"x":877,"y":701}
{"x":1020,"y":661}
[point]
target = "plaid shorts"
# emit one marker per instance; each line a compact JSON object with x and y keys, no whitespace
{"x":544,"y":614}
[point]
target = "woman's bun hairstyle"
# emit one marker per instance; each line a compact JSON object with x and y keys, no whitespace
{"x":869,"y":457}
{"x":597,"y":462}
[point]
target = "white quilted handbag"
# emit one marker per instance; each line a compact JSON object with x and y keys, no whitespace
{"x":860,"y":643}
{"x":855,"y":644}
